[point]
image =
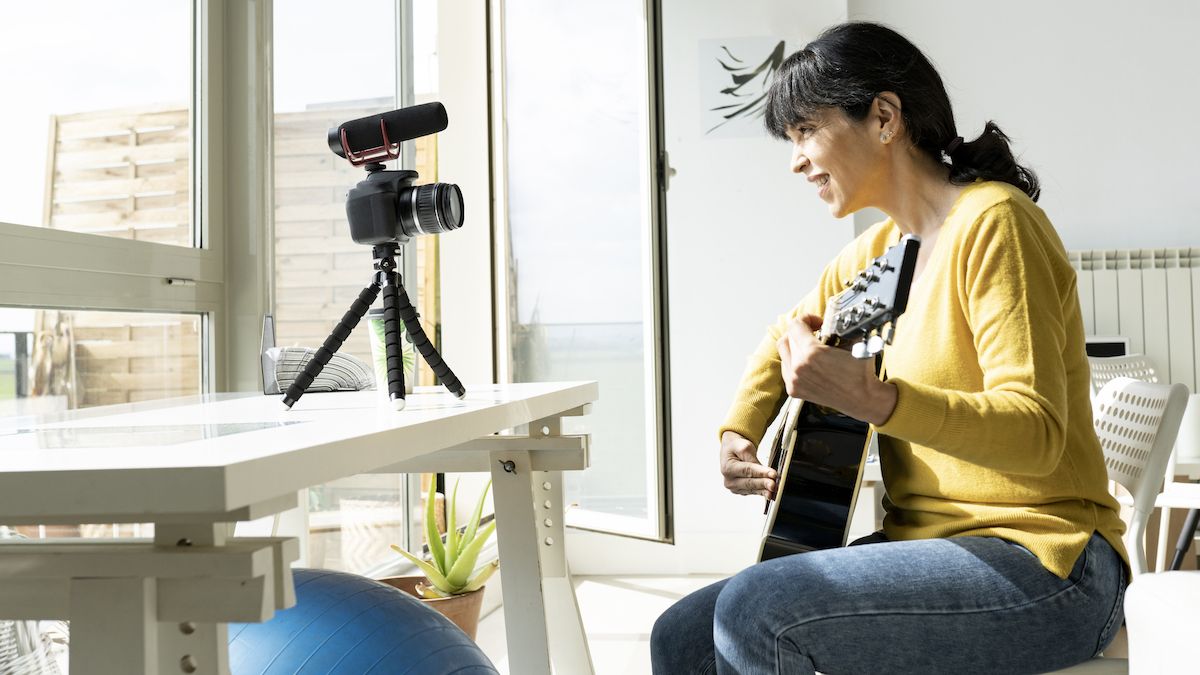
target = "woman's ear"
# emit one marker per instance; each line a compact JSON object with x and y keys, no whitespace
{"x":885,"y":110}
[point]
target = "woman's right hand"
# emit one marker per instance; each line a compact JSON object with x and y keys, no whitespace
{"x":744,"y":475}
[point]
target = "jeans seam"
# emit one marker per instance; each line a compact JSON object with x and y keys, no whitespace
{"x":1101,"y":643}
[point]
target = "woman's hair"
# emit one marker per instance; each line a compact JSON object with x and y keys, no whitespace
{"x":850,"y":64}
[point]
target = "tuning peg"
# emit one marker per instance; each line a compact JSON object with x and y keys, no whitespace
{"x":874,"y":345}
{"x":889,"y":332}
{"x":859,"y":351}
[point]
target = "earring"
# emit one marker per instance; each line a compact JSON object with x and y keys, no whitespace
{"x":885,"y":137}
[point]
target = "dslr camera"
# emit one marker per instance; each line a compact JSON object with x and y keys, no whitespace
{"x":385,"y":207}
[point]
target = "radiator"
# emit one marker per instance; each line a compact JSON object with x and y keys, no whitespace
{"x":1148,"y":296}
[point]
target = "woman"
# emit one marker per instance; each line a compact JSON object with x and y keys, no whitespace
{"x":1001,"y":548}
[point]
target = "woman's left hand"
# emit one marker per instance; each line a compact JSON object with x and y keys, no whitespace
{"x":830,"y":376}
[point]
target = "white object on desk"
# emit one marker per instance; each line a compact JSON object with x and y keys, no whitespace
{"x":192,"y":466}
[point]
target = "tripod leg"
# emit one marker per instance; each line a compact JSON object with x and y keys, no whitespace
{"x":391,"y":341}
{"x":341,"y":331}
{"x":409,"y":314}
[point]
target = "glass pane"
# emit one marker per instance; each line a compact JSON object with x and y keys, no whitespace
{"x":579,"y":211}
{"x":97,"y":117}
{"x":55,"y":360}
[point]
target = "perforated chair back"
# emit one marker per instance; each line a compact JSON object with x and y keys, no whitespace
{"x":1135,"y":366}
{"x":1137,"y":423}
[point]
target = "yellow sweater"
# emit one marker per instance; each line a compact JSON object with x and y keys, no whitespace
{"x":992,"y":432}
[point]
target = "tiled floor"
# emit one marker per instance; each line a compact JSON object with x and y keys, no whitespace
{"x":618,"y":613}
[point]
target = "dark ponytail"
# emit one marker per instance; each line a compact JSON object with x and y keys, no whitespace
{"x":989,"y":157}
{"x":850,"y":64}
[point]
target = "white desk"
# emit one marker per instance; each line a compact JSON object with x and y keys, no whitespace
{"x":193,"y":466}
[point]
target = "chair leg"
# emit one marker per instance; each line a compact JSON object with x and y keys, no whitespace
{"x":1185,"y":538}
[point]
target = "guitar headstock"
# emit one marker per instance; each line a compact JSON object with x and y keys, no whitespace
{"x":872,"y":301}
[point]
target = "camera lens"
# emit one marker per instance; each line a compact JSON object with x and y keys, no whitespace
{"x":432,"y":208}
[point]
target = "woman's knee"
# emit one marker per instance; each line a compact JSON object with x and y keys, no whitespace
{"x":748,"y":593}
{"x":681,"y":639}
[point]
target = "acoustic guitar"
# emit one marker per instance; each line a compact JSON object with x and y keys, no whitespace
{"x":818,"y":453}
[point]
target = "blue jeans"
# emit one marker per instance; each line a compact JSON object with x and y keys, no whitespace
{"x":959,"y":605}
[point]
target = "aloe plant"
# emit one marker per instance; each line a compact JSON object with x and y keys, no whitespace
{"x":451,"y":568}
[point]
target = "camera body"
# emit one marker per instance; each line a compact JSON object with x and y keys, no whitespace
{"x":386,"y":207}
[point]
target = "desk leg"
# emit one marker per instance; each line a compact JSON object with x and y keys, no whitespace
{"x":520,"y":560}
{"x":566,"y":625}
{"x":539,"y":599}
{"x":114,"y":627}
{"x":194,"y":647}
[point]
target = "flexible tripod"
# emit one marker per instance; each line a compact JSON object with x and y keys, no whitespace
{"x":396,"y":307}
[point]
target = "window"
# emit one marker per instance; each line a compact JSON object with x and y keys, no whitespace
{"x":107,"y":289}
{"x":54,"y":360}
{"x":111,"y":287}
{"x":99,"y":138}
{"x":583,"y":296}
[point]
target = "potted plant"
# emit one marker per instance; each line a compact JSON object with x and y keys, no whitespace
{"x":452,"y":583}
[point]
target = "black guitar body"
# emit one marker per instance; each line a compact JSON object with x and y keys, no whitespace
{"x":818,"y":453}
{"x":819,"y":482}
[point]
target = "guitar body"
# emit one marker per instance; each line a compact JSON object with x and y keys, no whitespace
{"x":818,"y":455}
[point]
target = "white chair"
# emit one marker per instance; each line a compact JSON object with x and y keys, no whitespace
{"x":1175,"y":495}
{"x":1106,"y":368}
{"x":1137,"y":423}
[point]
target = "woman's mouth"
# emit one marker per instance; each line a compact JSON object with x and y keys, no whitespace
{"x":822,"y":186}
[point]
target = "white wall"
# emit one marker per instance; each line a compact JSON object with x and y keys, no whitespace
{"x":1099,"y":98}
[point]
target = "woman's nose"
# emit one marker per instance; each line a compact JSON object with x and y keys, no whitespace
{"x":799,"y":161}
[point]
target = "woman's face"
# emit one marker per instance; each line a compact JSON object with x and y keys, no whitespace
{"x":842,"y":158}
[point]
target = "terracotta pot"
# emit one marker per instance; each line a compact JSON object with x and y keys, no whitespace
{"x":463,"y":609}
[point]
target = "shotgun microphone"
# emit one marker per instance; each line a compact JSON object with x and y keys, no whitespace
{"x":376,"y":137}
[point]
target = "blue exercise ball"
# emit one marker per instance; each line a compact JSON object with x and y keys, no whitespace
{"x":345,"y":623}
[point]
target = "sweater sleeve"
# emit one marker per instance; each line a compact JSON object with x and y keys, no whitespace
{"x":1013,"y":304}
